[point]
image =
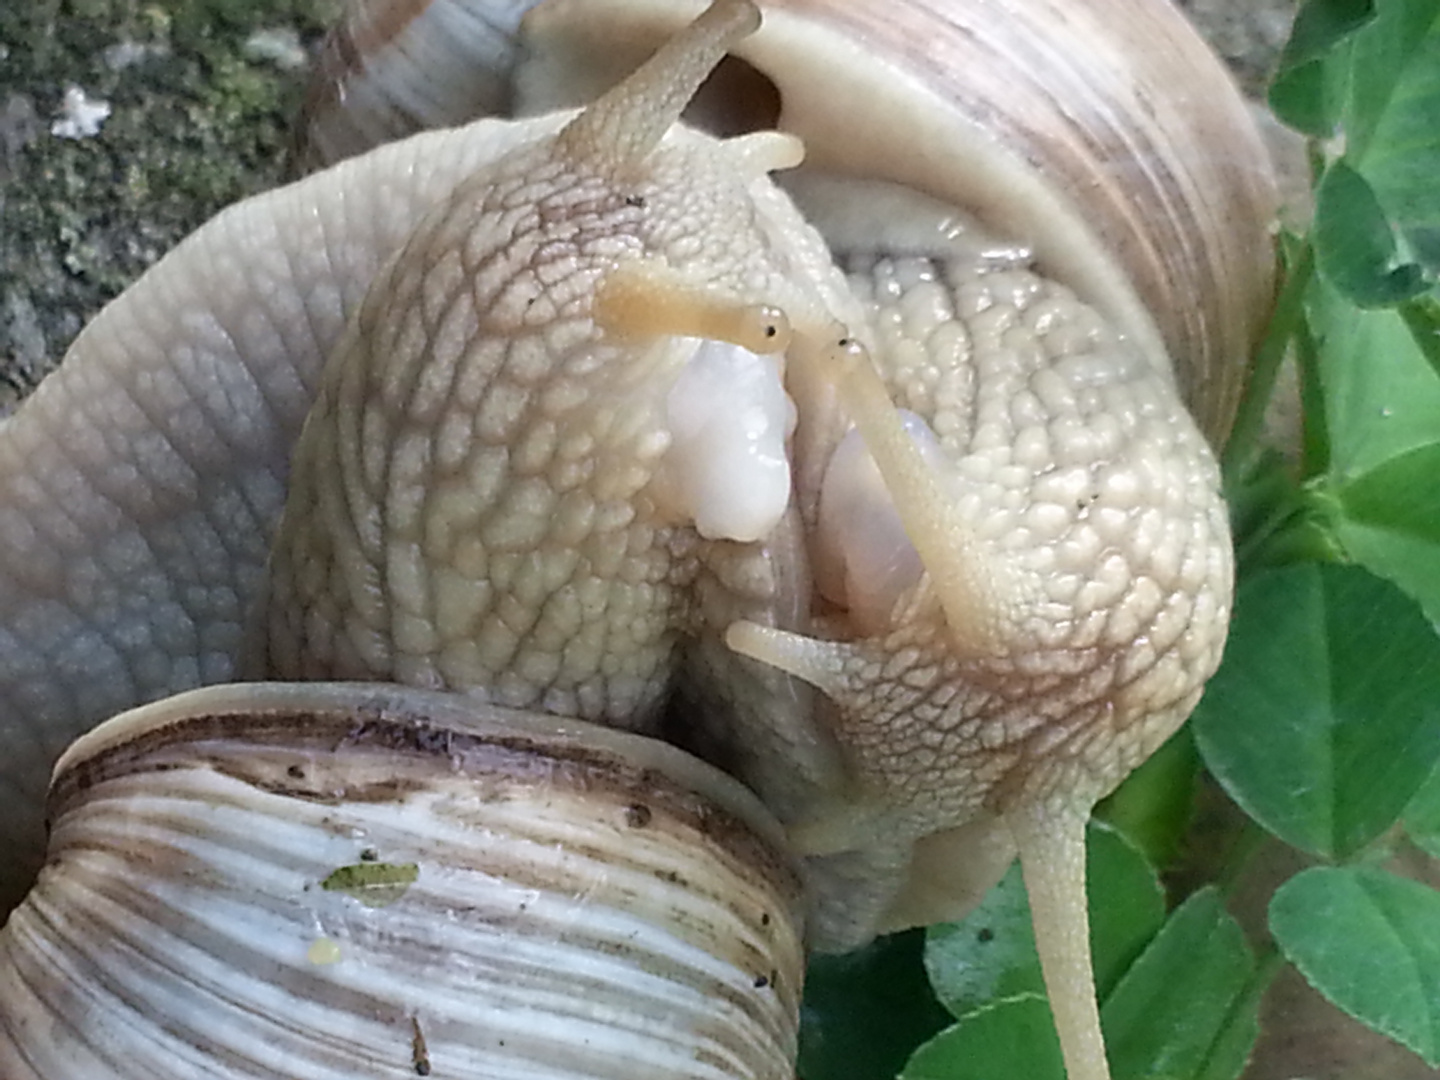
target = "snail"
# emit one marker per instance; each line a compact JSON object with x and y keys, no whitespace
{"x":877,"y":491}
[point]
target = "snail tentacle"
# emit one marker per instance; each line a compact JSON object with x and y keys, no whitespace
{"x":971,"y":584}
{"x":1050,"y":839}
{"x":624,"y":125}
{"x":643,"y":298}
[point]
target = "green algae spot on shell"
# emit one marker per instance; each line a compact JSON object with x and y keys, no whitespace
{"x":374,"y":884}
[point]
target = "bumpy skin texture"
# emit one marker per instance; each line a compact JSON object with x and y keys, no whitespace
{"x":141,"y":483}
{"x":472,"y":506}
{"x":473,"y":503}
{"x":1097,"y":499}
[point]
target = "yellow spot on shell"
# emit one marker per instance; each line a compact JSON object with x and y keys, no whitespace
{"x":323,"y":951}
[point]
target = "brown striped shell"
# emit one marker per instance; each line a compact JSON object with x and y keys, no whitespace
{"x":1103,"y":135}
{"x":336,"y":881}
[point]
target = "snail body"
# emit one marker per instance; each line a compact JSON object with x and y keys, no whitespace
{"x":962,"y":568}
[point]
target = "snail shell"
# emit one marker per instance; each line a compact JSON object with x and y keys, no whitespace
{"x":1053,"y":567}
{"x":1105,"y":138}
{"x":329,"y":880}
{"x":391,"y":68}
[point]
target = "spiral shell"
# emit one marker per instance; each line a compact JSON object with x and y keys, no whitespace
{"x":349,"y":881}
{"x":391,"y":68}
{"x":1102,"y":136}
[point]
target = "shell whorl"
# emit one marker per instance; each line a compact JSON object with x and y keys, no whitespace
{"x":339,"y":881}
{"x":1109,"y":140}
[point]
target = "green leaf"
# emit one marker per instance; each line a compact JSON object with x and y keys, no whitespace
{"x":1320,"y":26}
{"x":1371,"y":74}
{"x":1382,"y":397}
{"x":864,"y":1012}
{"x":1370,"y":942}
{"x":1324,"y":718}
{"x":990,"y":954}
{"x":1401,"y":494}
{"x":1153,"y":807}
{"x":1384,"y":55}
{"x":1300,"y":94}
{"x":1382,"y":403}
{"x":1405,"y":558}
{"x":1185,"y":1009}
{"x":1389,"y":519}
{"x":1015,"y":1037}
{"x":1422,"y":816}
{"x":1354,"y":245}
{"x":1391,"y":132}
{"x":1422,"y":316}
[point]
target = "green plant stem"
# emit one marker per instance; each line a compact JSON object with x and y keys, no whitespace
{"x":1422,"y":316}
{"x":1267,"y":966}
{"x":1243,"y":848}
{"x":1247,"y":552}
{"x":1315,"y":457}
{"x":1244,"y":439}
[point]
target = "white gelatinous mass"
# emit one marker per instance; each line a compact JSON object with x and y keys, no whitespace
{"x":726,"y":468}
{"x":864,"y":559}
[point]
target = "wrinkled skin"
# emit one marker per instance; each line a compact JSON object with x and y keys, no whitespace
{"x":478,"y":499}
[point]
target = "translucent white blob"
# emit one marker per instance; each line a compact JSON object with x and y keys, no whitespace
{"x":726,"y":467}
{"x":862,"y":215}
{"x":864,"y":560}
